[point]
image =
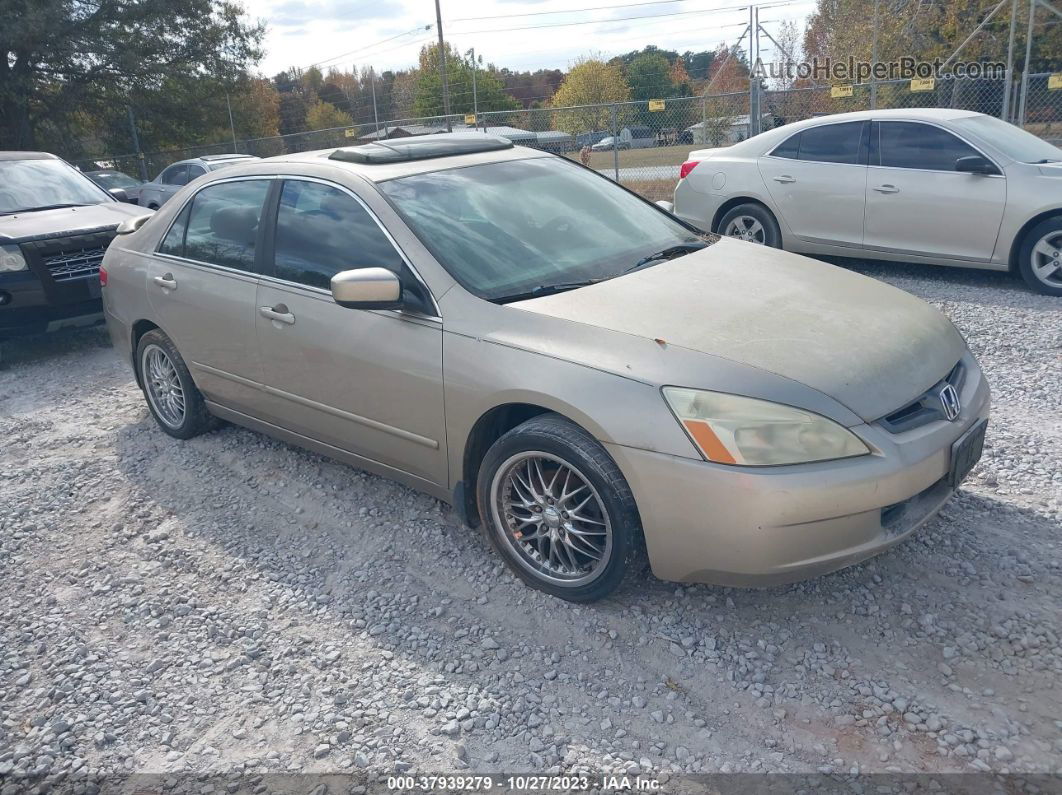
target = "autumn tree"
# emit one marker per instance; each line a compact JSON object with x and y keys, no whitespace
{"x":590,"y":81}
{"x":489,"y":92}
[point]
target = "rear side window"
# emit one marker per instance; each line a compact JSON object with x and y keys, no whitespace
{"x":321,"y":231}
{"x":173,"y":243}
{"x":906,"y":144}
{"x":195,"y":171}
{"x":790,"y":147}
{"x":223,"y":223}
{"x":832,"y":143}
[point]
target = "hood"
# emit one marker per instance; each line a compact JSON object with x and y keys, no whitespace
{"x":21,"y":227}
{"x":869,"y":346}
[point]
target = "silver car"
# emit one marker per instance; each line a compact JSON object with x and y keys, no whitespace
{"x":576,"y":371}
{"x":171,"y":179}
{"x":944,"y":187}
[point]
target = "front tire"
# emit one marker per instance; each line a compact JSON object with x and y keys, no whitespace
{"x":557,"y":509}
{"x":172,"y":396}
{"x":1040,"y":257}
{"x":752,"y":223}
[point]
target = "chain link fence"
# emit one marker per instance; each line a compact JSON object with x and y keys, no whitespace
{"x":642,"y":144}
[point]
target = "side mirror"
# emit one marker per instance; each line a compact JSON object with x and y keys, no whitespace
{"x":367,"y":288}
{"x":119,"y":194}
{"x":666,"y":206}
{"x":130,"y":225}
{"x":975,"y":164}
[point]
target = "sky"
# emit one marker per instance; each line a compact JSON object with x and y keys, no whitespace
{"x":518,"y":34}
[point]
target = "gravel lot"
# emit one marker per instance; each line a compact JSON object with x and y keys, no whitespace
{"x":232,"y":603}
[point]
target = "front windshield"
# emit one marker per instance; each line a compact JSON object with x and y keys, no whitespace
{"x":39,"y":184}
{"x":1012,"y":141}
{"x":513,"y":227}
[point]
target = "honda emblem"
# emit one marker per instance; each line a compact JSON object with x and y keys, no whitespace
{"x":949,"y":402}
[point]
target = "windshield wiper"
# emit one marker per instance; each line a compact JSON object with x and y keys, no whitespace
{"x":671,"y":252}
{"x":545,"y":289}
{"x":42,"y":207}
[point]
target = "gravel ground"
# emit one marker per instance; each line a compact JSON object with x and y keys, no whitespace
{"x":232,"y":603}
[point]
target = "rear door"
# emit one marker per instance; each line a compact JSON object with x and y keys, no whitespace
{"x":202,"y":282}
{"x":917,"y":203}
{"x":365,"y":381}
{"x":817,"y":179}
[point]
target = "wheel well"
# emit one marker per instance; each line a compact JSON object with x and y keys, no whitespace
{"x":487,"y":430}
{"x":730,"y":204}
{"x":140,"y":328}
{"x":1019,"y":239}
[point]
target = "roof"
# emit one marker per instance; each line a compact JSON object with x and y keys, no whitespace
{"x":512,"y":133}
{"x":553,"y":135}
{"x":230,"y":156}
{"x":27,"y":156}
{"x":379,"y":172}
{"x":411,"y":129}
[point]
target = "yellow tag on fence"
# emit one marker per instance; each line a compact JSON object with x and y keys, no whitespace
{"x":839,"y":92}
{"x":1054,"y":82}
{"x":656,"y":104}
{"x":351,"y":132}
{"x":470,"y":118}
{"x":923,"y":84}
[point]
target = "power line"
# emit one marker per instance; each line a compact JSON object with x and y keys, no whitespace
{"x":602,"y":21}
{"x":370,"y":46}
{"x":570,"y":10}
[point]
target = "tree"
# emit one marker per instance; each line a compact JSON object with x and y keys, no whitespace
{"x":649,"y":76}
{"x":61,"y":58}
{"x":489,"y":90}
{"x":326,"y":116}
{"x":590,"y":81}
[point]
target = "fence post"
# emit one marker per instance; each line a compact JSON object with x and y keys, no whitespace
{"x":613,"y":112}
{"x":136,"y":145}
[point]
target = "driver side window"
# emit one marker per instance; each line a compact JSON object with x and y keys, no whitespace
{"x":321,"y":231}
{"x":175,"y":175}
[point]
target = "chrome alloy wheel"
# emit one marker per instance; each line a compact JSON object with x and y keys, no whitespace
{"x":747,"y":228}
{"x":163,"y":386}
{"x":552,"y":517}
{"x":1047,"y":259}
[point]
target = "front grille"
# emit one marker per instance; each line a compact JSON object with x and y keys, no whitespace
{"x":926,"y":408}
{"x":70,"y":265}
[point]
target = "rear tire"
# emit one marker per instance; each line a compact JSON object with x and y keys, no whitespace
{"x":557,"y":509}
{"x":172,"y":396}
{"x":1040,"y":257}
{"x":752,"y":223}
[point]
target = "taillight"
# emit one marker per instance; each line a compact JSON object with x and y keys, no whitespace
{"x":103,"y":276}
{"x":687,"y":167}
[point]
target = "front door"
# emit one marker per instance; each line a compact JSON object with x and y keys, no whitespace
{"x":817,"y":178}
{"x":202,"y":284}
{"x":917,"y":203}
{"x":365,"y":381}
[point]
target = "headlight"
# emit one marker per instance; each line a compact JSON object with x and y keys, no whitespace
{"x":729,"y":429}
{"x":11,"y":259}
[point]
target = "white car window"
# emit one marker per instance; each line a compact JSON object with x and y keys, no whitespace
{"x":907,"y":144}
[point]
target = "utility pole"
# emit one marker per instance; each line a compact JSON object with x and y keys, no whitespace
{"x":232,"y":127}
{"x":1005,"y":113}
{"x":754,"y":94}
{"x":874,"y":58}
{"x":136,"y":145}
{"x":442,"y":67}
{"x":1028,"y":64}
{"x":475,"y":99}
{"x":375,"y":115}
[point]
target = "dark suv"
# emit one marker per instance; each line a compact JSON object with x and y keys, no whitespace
{"x":55,"y":224}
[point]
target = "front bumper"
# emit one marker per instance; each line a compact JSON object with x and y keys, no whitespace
{"x":744,"y":526}
{"x":28,"y":309}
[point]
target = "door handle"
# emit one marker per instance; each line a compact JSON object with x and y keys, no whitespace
{"x":785,"y":178}
{"x":278,"y":313}
{"x":167,"y":281}
{"x":887,"y":189}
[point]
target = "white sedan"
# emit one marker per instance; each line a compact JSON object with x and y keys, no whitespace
{"x":944,"y":187}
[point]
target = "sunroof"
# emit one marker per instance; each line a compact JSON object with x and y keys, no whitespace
{"x":422,"y":147}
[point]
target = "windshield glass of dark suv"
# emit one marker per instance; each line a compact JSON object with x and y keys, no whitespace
{"x":30,"y":185}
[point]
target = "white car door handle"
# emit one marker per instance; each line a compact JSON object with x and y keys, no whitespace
{"x":166,"y":281}
{"x":887,"y":189}
{"x":273,"y":314}
{"x":784,"y":178}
